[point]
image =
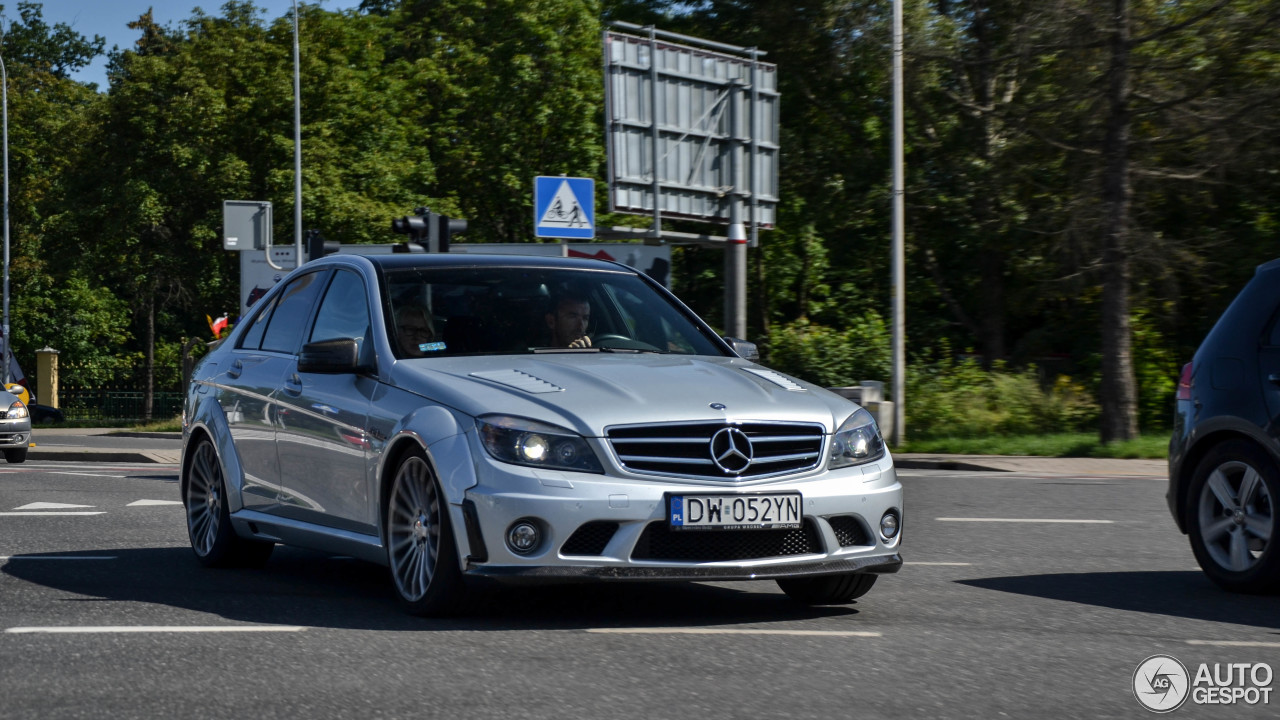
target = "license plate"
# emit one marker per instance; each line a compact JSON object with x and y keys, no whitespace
{"x":733,"y":512}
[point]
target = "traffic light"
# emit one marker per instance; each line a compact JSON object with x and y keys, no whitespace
{"x":318,"y":247}
{"x":429,"y":230}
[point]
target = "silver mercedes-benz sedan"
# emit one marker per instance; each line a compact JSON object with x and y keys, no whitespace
{"x":457,"y":417}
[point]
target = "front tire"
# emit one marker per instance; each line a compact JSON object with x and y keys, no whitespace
{"x":14,"y":457}
{"x":1231,"y":517}
{"x":204,"y":495}
{"x":828,"y":589}
{"x":421,"y":551}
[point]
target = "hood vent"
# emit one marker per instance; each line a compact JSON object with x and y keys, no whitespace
{"x":776,"y":378}
{"x":518,"y":380}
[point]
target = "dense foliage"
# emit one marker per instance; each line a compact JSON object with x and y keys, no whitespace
{"x":1088,"y":182}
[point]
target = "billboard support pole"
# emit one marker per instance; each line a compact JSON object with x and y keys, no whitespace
{"x":655,"y":133}
{"x":735,"y":251}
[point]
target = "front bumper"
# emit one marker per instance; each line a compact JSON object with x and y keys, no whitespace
{"x":841,"y":514}
{"x":15,"y":433}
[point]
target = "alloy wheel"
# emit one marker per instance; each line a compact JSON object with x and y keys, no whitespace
{"x":1237,"y":516}
{"x":413,"y":531}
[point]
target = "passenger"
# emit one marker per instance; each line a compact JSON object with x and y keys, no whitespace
{"x":568,"y":320}
{"x":414,"y":330}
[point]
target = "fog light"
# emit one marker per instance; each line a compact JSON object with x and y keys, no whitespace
{"x":889,"y":526}
{"x":523,"y":537}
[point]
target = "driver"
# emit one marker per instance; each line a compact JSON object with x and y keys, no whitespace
{"x":568,"y":320}
{"x":414,"y":330}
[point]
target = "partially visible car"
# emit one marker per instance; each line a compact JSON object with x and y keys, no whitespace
{"x":424,"y":412}
{"x":15,"y":427}
{"x":45,"y":415}
{"x":1224,"y":456}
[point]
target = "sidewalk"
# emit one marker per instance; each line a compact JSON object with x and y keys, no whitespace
{"x":1033,"y":465}
{"x":103,"y":445}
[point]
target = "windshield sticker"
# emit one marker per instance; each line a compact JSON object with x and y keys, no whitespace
{"x":431,"y":347}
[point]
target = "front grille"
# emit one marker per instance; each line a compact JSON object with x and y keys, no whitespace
{"x":685,"y":449}
{"x":660,"y":542}
{"x":590,"y":539}
{"x":849,"y":531}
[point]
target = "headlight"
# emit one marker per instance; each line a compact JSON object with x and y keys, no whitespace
{"x":857,"y":441}
{"x":16,"y":410}
{"x":528,"y":442}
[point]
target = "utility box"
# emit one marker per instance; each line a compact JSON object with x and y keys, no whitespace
{"x":246,"y":224}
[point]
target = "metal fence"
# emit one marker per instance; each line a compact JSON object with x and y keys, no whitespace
{"x":99,"y":404}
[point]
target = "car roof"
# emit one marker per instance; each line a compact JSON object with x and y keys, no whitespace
{"x":398,"y":261}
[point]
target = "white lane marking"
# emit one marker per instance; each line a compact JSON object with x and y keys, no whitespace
{"x":1025,"y":520}
{"x":50,"y":513}
{"x":4,"y":558}
{"x":55,"y":472}
{"x":144,"y":503}
{"x":73,"y":629}
{"x":947,"y":564}
{"x":1235,"y":643}
{"x":50,"y":506}
{"x":730,"y":631}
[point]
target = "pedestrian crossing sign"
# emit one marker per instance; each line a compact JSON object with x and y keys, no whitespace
{"x":564,"y":207}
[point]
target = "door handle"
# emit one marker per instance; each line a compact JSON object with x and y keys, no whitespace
{"x":236,"y":368}
{"x":1274,"y":378}
{"x":293,"y":385}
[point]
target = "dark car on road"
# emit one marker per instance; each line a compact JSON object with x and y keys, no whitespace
{"x":1224,"y":457}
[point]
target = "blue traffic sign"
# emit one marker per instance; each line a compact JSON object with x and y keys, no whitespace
{"x":564,"y":207}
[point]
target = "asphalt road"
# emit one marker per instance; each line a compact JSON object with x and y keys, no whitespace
{"x":997,"y":613}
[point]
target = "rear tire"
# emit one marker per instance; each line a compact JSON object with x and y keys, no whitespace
{"x":828,"y":589}
{"x":1231,"y":517}
{"x":204,"y":495}
{"x":14,"y":457}
{"x":421,"y":550}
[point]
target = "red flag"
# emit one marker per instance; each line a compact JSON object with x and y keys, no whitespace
{"x":217,"y":326}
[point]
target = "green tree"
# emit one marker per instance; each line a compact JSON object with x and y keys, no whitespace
{"x":507,"y":90}
{"x":203,"y":114}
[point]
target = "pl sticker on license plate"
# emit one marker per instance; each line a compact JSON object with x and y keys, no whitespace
{"x":734,"y":512}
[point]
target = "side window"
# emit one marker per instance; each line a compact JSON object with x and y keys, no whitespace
{"x":344,"y":311}
{"x":284,"y":329}
{"x":252,"y":339}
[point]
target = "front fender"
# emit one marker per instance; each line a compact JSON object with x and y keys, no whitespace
{"x":208,"y":418}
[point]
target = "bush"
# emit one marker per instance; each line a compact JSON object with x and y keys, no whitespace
{"x":829,"y":357}
{"x":957,"y":398}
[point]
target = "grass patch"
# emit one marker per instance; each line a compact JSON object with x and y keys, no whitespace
{"x":1155,"y":447}
{"x":173,"y":424}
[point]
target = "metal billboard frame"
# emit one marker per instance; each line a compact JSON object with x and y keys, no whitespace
{"x":694,"y":127}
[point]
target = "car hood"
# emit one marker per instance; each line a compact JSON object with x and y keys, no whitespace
{"x":588,"y":392}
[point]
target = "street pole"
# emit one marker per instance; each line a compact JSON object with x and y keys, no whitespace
{"x":899,"y":240}
{"x":297,"y":147}
{"x":4,"y":102}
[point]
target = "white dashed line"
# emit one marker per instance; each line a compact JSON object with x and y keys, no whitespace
{"x":4,"y":558}
{"x":1235,"y":643}
{"x":146,"y":503}
{"x":731,"y":631}
{"x":55,"y":472}
{"x":940,"y":564}
{"x":50,"y":506}
{"x":1026,"y":520}
{"x":67,"y":630}
{"x":50,"y":513}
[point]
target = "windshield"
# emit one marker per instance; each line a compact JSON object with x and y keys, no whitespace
{"x":504,"y":310}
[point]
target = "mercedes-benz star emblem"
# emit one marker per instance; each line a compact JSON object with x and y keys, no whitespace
{"x":731,"y":450}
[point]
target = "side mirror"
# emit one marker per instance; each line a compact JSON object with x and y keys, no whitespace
{"x":332,"y":357}
{"x":745,"y":350}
